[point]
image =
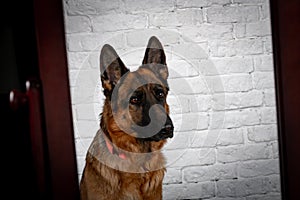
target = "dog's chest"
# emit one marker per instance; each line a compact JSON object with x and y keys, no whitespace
{"x":143,"y":184}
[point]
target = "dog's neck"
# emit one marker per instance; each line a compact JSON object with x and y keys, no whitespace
{"x":112,"y":149}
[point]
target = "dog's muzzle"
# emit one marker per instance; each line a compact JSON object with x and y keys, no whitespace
{"x":166,"y":132}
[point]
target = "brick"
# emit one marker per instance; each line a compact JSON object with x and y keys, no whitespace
{"x":263,"y":63}
{"x":269,"y":98}
{"x":231,"y":14}
{"x":190,"y":121}
{"x":206,"y":32}
{"x":86,"y":112}
{"x":268,"y":47}
{"x":80,"y":165}
{"x":253,"y":29}
{"x":190,"y":191}
{"x":248,"y":46}
{"x":182,"y":158}
{"x":178,"y":104}
{"x":186,"y":86}
{"x":74,"y":115}
{"x":265,"y":11}
{"x":82,"y":145}
{"x":179,"y":68}
{"x":91,"y":7}
{"x":203,"y":139}
{"x":268,"y":115}
{"x":275,"y":149}
{"x":173,"y":191}
{"x":229,"y":198}
{"x":238,"y":100}
{"x":199,"y":4}
{"x":172,"y":176}
{"x":178,"y":18}
{"x":199,"y":190}
{"x":181,"y":140}
{"x":236,"y":83}
{"x":193,"y":70}
{"x":239,"y":30}
{"x":200,"y":103}
{"x":77,"y":24}
{"x":217,"y":120}
{"x":273,"y":183}
{"x":205,"y":48}
{"x":239,"y":188}
{"x":262,"y":133}
{"x":86,"y":84}
{"x":189,"y":51}
{"x":209,"y":173}
{"x":263,"y":80}
{"x":257,"y":29}
{"x":258,"y":168}
{"x":72,"y":94}
{"x":93,"y":42}
{"x":253,"y":2}
{"x":76,"y":43}
{"x":73,"y":76}
{"x":222,"y":48}
{"x":132,"y":58}
{"x":230,"y":137}
{"x":157,"y":6}
{"x":76,"y":60}
{"x":252,"y":98}
{"x":98,"y":105}
{"x":139,"y":38}
{"x":232,"y":65}
{"x":245,"y":187}
{"x":229,"y":83}
{"x":92,"y":61}
{"x":243,"y":153}
{"x":87,"y":129}
{"x":271,"y":196}
{"x":241,"y":47}
{"x":206,"y":67}
{"x":213,"y":138}
{"x":113,"y":23}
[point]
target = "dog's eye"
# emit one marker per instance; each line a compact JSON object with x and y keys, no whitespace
{"x":134,"y":100}
{"x":160,"y":94}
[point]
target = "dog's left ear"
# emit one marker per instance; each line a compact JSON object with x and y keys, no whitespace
{"x":155,"y":55}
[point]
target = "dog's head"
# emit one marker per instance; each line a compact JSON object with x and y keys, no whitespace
{"x":138,"y":99}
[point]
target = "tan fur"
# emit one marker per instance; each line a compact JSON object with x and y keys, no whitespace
{"x":138,"y":177}
{"x":100,"y":181}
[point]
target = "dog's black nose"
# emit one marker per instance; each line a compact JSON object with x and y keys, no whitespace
{"x":168,"y":130}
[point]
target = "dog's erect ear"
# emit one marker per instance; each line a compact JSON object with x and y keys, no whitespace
{"x":111,"y":68}
{"x":155,"y":55}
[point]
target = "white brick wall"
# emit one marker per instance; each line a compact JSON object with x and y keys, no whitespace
{"x":222,"y":97}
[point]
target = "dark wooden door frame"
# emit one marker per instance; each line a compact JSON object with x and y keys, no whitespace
{"x":285,"y":19}
{"x":52,"y":61}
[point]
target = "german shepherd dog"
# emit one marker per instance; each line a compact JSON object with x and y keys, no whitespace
{"x":124,"y":160}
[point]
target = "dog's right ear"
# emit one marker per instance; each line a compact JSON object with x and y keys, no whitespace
{"x":111,"y":67}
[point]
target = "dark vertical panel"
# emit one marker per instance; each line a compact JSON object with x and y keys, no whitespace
{"x":18,"y":63}
{"x":18,"y":175}
{"x":56,"y":96}
{"x":285,"y":18}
